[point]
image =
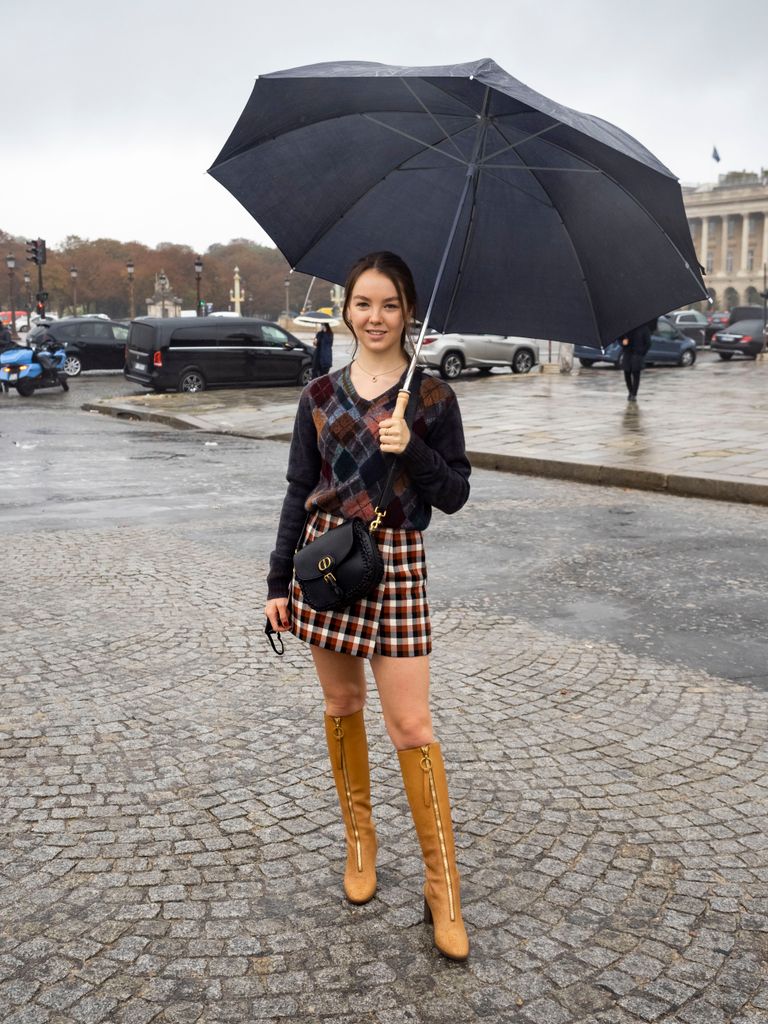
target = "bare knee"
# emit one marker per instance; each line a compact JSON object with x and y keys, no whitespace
{"x":344,"y":704}
{"x":409,"y":731}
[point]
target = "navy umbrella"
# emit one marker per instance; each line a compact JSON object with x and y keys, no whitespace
{"x":516,"y":215}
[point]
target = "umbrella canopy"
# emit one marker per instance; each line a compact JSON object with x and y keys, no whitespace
{"x":314,"y":317}
{"x":561,"y":225}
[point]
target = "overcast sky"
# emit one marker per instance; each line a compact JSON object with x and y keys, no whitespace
{"x":114,"y":112}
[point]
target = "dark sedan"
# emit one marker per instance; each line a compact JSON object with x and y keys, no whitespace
{"x":668,"y":346}
{"x":90,"y":343}
{"x":746,"y":338}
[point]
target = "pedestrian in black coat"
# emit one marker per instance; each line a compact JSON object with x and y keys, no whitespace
{"x":323,"y":355}
{"x":635,"y":347}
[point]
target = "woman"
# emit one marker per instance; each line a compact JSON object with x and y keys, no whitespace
{"x":344,"y":428}
{"x":323,"y":354}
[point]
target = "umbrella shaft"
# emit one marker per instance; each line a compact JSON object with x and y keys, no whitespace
{"x":471,"y":174}
{"x":440,"y":269}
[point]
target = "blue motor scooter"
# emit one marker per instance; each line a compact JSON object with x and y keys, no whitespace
{"x":41,"y":365}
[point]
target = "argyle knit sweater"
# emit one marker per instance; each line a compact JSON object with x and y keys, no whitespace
{"x":336,"y":465}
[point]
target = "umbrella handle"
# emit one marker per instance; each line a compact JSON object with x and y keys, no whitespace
{"x":401,"y":405}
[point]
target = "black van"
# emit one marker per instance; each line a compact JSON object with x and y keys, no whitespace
{"x":195,"y":353}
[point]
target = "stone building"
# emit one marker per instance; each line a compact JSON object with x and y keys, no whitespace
{"x":729,"y":226}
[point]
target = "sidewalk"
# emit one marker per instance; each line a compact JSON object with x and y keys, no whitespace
{"x":698,"y":432}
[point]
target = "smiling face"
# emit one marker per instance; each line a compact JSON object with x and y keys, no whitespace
{"x":376,"y":314}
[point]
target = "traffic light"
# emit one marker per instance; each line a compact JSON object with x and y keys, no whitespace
{"x":40,"y":307}
{"x":36,"y":251}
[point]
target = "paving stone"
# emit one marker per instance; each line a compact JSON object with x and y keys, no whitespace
{"x":610,"y":813}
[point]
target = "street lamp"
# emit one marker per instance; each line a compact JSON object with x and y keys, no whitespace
{"x":28,"y":290}
{"x":198,"y":275}
{"x":10,"y":261}
{"x":287,"y":299}
{"x":73,"y":275}
{"x":162,"y":284}
{"x":129,"y":268}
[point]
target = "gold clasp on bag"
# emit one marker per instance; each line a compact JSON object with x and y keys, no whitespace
{"x":329,"y":577}
{"x":376,"y":523}
{"x":325,"y":563}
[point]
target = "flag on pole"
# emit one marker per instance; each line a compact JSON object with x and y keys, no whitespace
{"x":715,"y":154}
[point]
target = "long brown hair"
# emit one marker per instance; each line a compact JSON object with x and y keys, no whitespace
{"x":399,"y":273}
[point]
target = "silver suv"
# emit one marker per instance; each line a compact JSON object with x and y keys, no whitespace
{"x":452,"y":353}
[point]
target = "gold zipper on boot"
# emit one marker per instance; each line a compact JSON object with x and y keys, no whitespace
{"x":426,"y":767}
{"x":339,"y":734}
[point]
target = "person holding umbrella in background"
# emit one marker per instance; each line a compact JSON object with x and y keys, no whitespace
{"x":635,"y":346}
{"x":345,"y":423}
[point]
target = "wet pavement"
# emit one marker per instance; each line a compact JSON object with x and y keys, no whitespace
{"x":170,"y":843}
{"x":697,"y":431}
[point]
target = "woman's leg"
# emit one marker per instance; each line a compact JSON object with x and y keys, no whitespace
{"x":403,"y":685}
{"x":342,"y":678}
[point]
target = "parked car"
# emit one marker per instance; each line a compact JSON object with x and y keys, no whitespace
{"x":719,"y":318}
{"x":182,"y":354}
{"x":693,"y":325}
{"x":90,"y":342}
{"x":745,"y":338}
{"x":452,"y":353}
{"x":739,"y":313}
{"x":669,"y":346}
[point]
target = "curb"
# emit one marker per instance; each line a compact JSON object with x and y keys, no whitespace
{"x":679,"y":484}
{"x":131,"y":412}
{"x":182,"y":421}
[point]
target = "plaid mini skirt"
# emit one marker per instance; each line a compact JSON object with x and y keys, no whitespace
{"x":393,"y":620}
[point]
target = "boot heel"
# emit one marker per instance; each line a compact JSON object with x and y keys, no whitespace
{"x":427,"y":912}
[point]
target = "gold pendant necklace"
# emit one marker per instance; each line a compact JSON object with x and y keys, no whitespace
{"x":381,"y":373}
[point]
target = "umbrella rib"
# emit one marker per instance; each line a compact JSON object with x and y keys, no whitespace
{"x":528,"y":138}
{"x":531,"y":167}
{"x":413,"y":138}
{"x":426,"y":110}
{"x":525,"y":192}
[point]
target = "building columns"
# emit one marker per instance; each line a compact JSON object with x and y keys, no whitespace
{"x":704,"y":241}
{"x":744,"y":241}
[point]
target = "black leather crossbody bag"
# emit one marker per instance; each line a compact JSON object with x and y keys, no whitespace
{"x":344,"y":565}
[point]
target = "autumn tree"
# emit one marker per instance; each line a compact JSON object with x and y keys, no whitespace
{"x":103,"y":287}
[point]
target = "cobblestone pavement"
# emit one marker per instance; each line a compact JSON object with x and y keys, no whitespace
{"x":174,"y":853}
{"x":172,"y":849}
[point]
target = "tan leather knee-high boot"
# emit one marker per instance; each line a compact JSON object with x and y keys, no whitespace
{"x":427,"y":789}
{"x":348,"y":748}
